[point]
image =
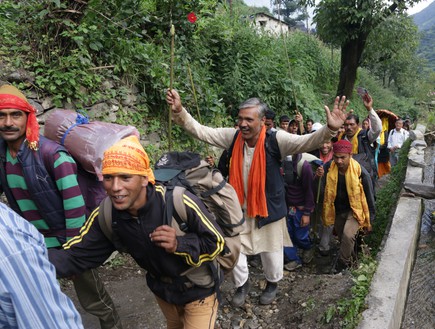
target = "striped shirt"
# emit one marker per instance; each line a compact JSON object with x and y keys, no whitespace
{"x":65,"y":174}
{"x":30,"y":296}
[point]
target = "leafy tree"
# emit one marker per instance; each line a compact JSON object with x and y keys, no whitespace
{"x":348,"y":24}
{"x":292,"y":11}
{"x":390,"y":53}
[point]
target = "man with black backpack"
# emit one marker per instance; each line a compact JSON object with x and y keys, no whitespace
{"x":255,"y":174}
{"x":177,"y":259}
{"x":53,"y":204}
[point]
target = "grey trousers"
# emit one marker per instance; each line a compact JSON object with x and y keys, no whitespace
{"x":95,"y":299}
{"x":347,"y":228}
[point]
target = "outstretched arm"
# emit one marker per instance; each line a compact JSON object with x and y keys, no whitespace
{"x":220,"y":137}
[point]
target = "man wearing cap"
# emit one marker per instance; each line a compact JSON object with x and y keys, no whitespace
{"x":254,"y":172}
{"x":177,"y":265}
{"x":54,"y":205}
{"x":348,"y":201}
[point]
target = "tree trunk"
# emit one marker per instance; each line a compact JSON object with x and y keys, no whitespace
{"x":351,"y":52}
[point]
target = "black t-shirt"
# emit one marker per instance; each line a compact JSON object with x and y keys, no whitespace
{"x":342,"y":199}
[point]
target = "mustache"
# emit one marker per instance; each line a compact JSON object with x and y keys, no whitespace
{"x":6,"y":129}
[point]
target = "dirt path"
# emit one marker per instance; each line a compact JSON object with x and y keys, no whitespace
{"x":302,"y":301}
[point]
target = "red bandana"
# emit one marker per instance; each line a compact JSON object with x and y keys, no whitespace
{"x":12,"y":98}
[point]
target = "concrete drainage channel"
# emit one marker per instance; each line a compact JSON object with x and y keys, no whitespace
{"x":389,"y":289}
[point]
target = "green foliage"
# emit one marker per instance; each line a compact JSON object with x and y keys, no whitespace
{"x":288,"y":9}
{"x":349,"y":310}
{"x":387,"y":58}
{"x":386,"y":199}
{"x":427,"y":47}
{"x":117,"y":261}
{"x":74,"y":48}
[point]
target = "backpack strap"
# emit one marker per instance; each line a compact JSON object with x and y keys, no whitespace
{"x":174,"y":203}
{"x":105,"y":218}
{"x":179,"y":207}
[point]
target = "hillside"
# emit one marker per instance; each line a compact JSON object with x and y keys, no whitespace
{"x":425,"y":21}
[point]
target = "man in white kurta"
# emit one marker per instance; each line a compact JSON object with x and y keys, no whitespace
{"x":269,"y":240}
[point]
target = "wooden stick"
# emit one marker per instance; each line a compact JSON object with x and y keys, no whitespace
{"x":171,"y":85}
{"x":196,"y":102}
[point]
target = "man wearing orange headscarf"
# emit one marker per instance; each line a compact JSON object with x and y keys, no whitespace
{"x":254,"y":172}
{"x":174,"y":261}
{"x":42,"y":187}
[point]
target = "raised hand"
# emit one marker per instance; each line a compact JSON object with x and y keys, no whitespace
{"x":174,"y":101}
{"x":336,"y":118}
{"x":368,"y":102}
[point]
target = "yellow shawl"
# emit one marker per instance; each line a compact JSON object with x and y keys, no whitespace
{"x":384,"y":128}
{"x":355,"y":142}
{"x":355,"y":191}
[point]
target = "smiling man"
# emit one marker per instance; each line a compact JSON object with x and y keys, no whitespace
{"x":172,"y":261}
{"x":255,"y":174}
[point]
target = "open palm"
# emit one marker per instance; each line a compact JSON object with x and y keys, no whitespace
{"x":335,"y":118}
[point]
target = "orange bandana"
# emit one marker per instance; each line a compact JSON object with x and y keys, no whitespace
{"x":256,"y":199}
{"x":127,"y":157}
{"x":12,"y":98}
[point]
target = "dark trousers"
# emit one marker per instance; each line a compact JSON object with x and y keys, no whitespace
{"x":95,"y":299}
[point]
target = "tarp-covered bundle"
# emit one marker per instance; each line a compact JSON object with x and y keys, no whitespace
{"x":85,"y":140}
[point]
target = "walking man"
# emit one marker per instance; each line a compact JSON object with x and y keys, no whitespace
{"x":255,"y":174}
{"x":348,"y":200}
{"x":54,"y":205}
{"x":396,"y":138}
{"x":178,"y":266}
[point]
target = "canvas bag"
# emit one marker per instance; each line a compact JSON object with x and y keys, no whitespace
{"x":187,"y":170}
{"x":292,"y":170}
{"x":86,"y":142}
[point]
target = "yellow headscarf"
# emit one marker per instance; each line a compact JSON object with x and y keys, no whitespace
{"x":127,"y":157}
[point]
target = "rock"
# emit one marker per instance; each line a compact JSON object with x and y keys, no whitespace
{"x":425,"y":191}
{"x":47,"y":103}
{"x":37,"y":106}
{"x":419,"y":143}
{"x":129,"y":100}
{"x":421,"y":128}
{"x":416,"y":134}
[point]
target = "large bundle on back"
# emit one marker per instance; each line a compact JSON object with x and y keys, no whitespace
{"x":85,"y":140}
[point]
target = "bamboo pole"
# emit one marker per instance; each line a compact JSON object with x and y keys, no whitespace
{"x":171,"y":84}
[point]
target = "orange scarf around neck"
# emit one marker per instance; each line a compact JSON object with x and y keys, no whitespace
{"x":256,"y":196}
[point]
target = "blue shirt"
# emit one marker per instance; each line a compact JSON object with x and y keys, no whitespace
{"x":30,"y":296}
